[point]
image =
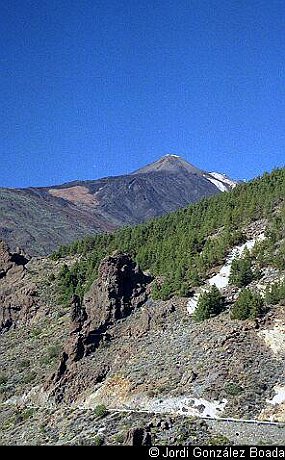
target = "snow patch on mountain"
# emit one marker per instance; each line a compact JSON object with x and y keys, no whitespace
{"x":182,"y":405}
{"x":223,"y":178}
{"x":221,"y":279}
{"x":275,"y":409}
{"x":192,"y":303}
{"x":279,"y":397}
{"x":221,"y":181}
{"x":220,"y":185}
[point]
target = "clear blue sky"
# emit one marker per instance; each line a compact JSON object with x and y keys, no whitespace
{"x":91,"y":88}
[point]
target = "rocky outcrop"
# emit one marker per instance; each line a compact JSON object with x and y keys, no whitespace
{"x":138,"y":437}
{"x":11,"y":263}
{"x":120,"y":289}
{"x":17,"y":297}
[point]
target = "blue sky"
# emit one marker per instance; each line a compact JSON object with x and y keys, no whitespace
{"x":92,"y":88}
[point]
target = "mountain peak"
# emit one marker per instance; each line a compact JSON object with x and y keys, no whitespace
{"x":170,"y":155}
{"x":170,"y":163}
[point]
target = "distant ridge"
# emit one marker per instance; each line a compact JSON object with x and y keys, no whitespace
{"x":39,"y":219}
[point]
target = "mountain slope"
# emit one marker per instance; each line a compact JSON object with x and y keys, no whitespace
{"x":86,"y":327}
{"x":40,"y":219}
{"x":183,"y":246}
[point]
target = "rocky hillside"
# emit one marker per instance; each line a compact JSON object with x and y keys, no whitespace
{"x":111,"y":362}
{"x":40,"y":219}
{"x":98,"y":370}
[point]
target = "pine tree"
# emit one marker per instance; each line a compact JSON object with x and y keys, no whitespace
{"x":248,"y":306}
{"x":210,"y":304}
{"x":241,"y":272}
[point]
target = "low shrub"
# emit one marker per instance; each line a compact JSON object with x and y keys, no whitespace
{"x":100,"y":410}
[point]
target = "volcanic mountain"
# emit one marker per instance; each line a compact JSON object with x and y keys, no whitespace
{"x":39,"y":219}
{"x":166,"y":333}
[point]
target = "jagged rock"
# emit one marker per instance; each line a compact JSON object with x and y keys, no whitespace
{"x":17,"y":300}
{"x":77,"y":315}
{"x":120,"y":288}
{"x":5,"y":256}
{"x":11,"y":262}
{"x":137,"y":437}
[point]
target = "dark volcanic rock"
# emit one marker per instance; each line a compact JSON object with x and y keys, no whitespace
{"x":5,"y":257}
{"x":17,"y":302}
{"x":138,"y":437}
{"x":120,"y":288}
